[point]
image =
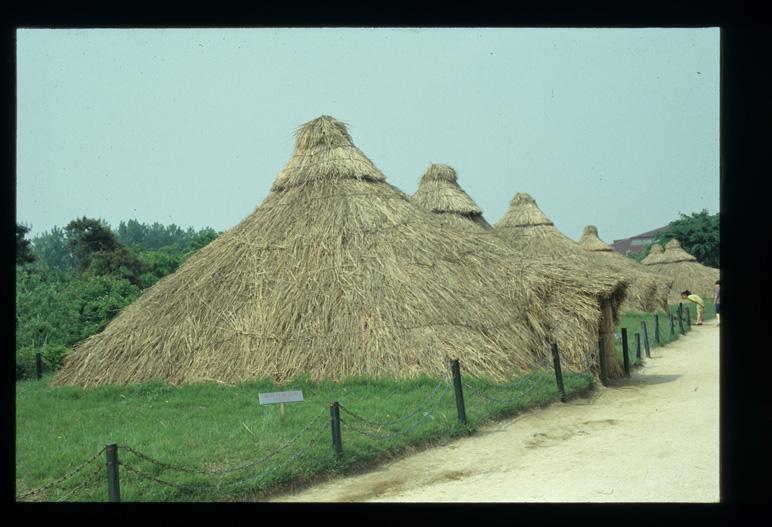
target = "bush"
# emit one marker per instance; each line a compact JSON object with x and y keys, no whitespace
{"x":53,"y":356}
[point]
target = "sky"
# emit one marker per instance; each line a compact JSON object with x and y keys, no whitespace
{"x":613,"y":127}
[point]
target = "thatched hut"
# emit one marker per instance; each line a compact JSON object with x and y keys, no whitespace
{"x":439,"y":192}
{"x":654,"y":256}
{"x":525,"y":227}
{"x":335,"y":274}
{"x":685,"y":271}
{"x":647,"y":291}
{"x":573,"y":313}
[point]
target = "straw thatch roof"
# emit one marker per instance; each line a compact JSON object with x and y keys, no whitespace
{"x":334,"y":274}
{"x":685,"y":271}
{"x":573,"y":313}
{"x":654,"y":256}
{"x":647,"y":291}
{"x":525,"y":227}
{"x":439,"y":192}
{"x":531,"y":233}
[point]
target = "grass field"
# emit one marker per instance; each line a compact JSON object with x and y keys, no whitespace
{"x":210,"y":442}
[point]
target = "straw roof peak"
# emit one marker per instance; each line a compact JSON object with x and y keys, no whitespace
{"x":592,"y":242}
{"x":439,"y":172}
{"x":324,"y":151}
{"x":674,"y":253}
{"x":523,"y":212}
{"x":323,"y":131}
{"x":440,"y":192}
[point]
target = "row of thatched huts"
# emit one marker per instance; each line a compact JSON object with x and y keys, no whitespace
{"x":338,"y":273}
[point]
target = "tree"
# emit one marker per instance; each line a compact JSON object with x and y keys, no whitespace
{"x":201,"y":239}
{"x":98,"y":252}
{"x":698,"y":234}
{"x":52,"y":248}
{"x":24,"y":252}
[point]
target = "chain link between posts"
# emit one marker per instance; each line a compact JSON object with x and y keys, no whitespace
{"x":63,"y":478}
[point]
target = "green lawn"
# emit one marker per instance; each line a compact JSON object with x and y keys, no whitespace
{"x":209,"y":442}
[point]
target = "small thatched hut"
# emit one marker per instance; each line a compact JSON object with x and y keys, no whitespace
{"x":685,"y":271}
{"x":439,"y":192}
{"x":654,"y":256}
{"x":531,"y":233}
{"x":573,"y":313}
{"x":334,"y":274}
{"x":647,"y":291}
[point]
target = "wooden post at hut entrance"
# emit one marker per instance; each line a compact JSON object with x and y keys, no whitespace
{"x":613,"y":368}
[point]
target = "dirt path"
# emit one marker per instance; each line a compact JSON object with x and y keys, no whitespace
{"x":651,"y":438}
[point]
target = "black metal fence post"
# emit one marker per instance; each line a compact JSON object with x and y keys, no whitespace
{"x":681,"y":319}
{"x":625,"y":352}
{"x":113,"y":483}
{"x":558,"y":373}
{"x":646,"y":339}
{"x":656,"y":329}
{"x":38,"y":365}
{"x":337,"y":443}
{"x":602,"y":360}
{"x":456,"y":369}
{"x":688,"y":317}
{"x":637,"y":345}
{"x":672,"y":325}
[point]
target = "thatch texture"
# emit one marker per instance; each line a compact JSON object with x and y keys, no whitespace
{"x":646,"y":291}
{"x":334,"y":274}
{"x":439,"y":192}
{"x":532,"y":234}
{"x":685,"y":271}
{"x":654,"y":256}
{"x":573,"y":314}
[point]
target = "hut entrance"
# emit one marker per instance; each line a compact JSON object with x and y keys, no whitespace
{"x":613,"y":369}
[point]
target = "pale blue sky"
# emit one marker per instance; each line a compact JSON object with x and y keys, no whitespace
{"x":613,"y":127}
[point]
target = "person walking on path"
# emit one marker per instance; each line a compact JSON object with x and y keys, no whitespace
{"x":718,"y":302}
{"x":697,"y":300}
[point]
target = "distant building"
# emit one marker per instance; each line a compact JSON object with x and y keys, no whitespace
{"x":637,"y":243}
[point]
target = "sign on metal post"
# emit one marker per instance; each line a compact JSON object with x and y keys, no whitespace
{"x":291,"y":396}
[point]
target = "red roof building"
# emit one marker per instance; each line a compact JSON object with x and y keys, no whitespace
{"x":637,"y":243}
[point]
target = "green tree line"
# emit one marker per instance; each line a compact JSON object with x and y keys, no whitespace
{"x":71,"y":281}
{"x":698,"y":233}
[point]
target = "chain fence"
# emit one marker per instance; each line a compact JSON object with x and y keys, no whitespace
{"x":248,"y":476}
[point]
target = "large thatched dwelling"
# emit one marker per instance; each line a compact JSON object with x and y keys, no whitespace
{"x":334,"y":274}
{"x":685,"y":271}
{"x":525,"y":227}
{"x":573,"y":312}
{"x":647,"y":291}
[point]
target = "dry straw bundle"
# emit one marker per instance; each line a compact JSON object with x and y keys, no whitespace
{"x":647,"y":291}
{"x":439,"y":192}
{"x":685,"y":271}
{"x":531,"y":233}
{"x":334,"y":274}
{"x":654,"y":256}
{"x":573,"y":313}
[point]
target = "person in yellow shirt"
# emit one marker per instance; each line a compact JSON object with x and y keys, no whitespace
{"x":691,"y":297}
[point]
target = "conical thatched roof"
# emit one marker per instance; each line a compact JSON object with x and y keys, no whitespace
{"x":529,"y":231}
{"x":647,"y":291}
{"x":439,"y":192}
{"x":525,"y":228}
{"x":654,"y":256}
{"x":573,"y":312}
{"x":674,"y":253}
{"x":334,"y":274}
{"x":685,"y":271}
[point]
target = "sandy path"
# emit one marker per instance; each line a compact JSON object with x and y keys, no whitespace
{"x":652,"y":438}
